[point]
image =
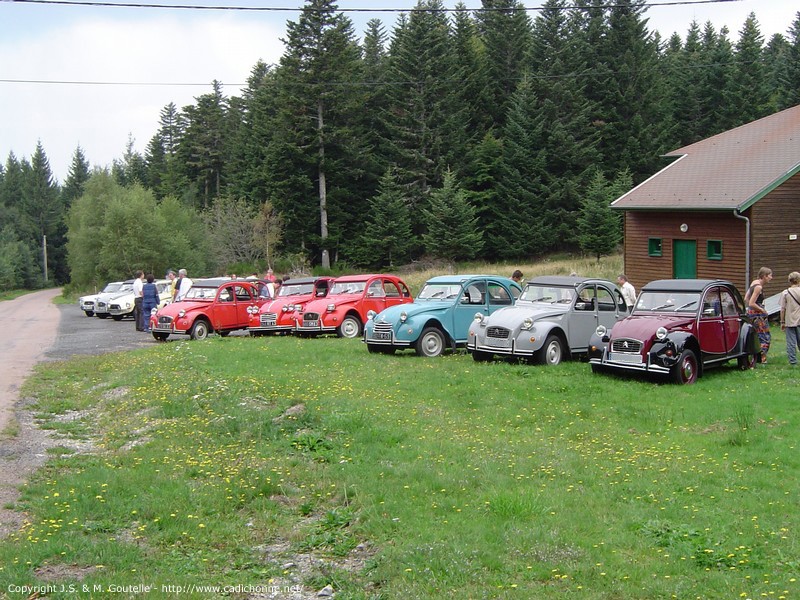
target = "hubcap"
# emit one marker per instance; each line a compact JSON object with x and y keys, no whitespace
{"x":432,"y":345}
{"x":554,"y":353}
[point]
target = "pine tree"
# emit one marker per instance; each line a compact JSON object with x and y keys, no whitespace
{"x":453,"y":232}
{"x":789,"y":75}
{"x":747,"y":99}
{"x":77,"y":176}
{"x":599,"y":227}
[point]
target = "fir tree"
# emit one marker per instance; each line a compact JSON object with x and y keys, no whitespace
{"x":386,"y":239}
{"x":453,"y":232}
{"x":599,"y":227}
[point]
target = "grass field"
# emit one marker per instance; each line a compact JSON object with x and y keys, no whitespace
{"x":283,"y":461}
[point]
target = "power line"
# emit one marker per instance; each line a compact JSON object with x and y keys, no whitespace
{"x":87,"y":3}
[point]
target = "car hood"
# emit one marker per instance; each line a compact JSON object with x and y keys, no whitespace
{"x":174,"y":308}
{"x":412,"y":309}
{"x":643,"y":327}
{"x":277,"y":304}
{"x":511,"y":316}
{"x":320,"y":305}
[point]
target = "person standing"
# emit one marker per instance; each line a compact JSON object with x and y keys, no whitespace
{"x":184,"y":286}
{"x":627,"y":289}
{"x":138,"y":284}
{"x":172,"y":283}
{"x":754,"y":300}
{"x":150,"y":300}
{"x":790,"y":316}
{"x":517,"y":276}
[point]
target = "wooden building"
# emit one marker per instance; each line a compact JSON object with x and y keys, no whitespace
{"x":727,"y":206}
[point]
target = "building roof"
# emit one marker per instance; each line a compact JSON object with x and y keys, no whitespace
{"x":731,"y":170}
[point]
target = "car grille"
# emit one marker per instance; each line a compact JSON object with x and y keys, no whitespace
{"x":626,"y":345}
{"x":101,"y":305}
{"x":270,"y":317}
{"x":383,"y":327}
{"x":164,"y":320}
{"x":115,"y":307}
{"x":498,"y":332}
{"x":311,"y":317}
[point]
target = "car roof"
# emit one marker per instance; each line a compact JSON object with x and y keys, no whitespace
{"x":218,"y":281}
{"x":465,"y":277}
{"x":363,"y":277}
{"x":564,"y":280}
{"x":682,"y":285}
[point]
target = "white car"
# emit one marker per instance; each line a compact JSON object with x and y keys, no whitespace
{"x":121,"y":305}
{"x":103,"y":302}
{"x":87,"y":303}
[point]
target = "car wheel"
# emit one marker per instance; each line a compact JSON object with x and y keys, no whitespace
{"x":376,"y":349}
{"x":552,"y":353}
{"x":685,"y":371}
{"x":161,"y":337}
{"x":598,"y":369}
{"x":479,"y":356}
{"x":117,"y":317}
{"x":102,"y":316}
{"x":224,"y":333}
{"x":350,"y":327}
{"x":748,"y":361}
{"x":431,"y":343}
{"x":89,"y":313}
{"x":200,"y":330}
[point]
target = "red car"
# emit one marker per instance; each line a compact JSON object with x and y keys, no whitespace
{"x":344,"y":310}
{"x":211,"y":305}
{"x":277,"y":315}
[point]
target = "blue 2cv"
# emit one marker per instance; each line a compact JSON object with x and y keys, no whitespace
{"x":440,"y":316}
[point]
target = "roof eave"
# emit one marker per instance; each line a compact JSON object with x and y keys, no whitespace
{"x":769,"y":188}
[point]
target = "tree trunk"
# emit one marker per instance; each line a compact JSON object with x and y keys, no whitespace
{"x":323,"y":191}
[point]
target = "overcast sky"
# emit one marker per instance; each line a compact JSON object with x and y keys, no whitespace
{"x":108,"y":54}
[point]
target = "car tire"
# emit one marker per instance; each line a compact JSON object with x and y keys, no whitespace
{"x":685,"y":370}
{"x":552,"y":353}
{"x":747,"y":362}
{"x":378,"y":349}
{"x":200,"y":330}
{"x":431,"y":342}
{"x":118,"y":317}
{"x":89,"y":313}
{"x":479,"y":356}
{"x":224,"y":333}
{"x":350,"y":328}
{"x":161,"y":337}
{"x":598,"y":369}
{"x":102,"y":316}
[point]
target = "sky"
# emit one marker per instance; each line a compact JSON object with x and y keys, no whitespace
{"x":97,"y":77}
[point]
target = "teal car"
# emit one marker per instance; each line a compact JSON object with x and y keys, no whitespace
{"x":440,"y":316}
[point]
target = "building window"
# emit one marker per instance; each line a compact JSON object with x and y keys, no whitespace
{"x":654,"y":246}
{"x":714,"y":249}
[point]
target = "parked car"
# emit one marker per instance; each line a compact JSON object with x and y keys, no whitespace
{"x":121,"y":306}
{"x":87,"y":303}
{"x":679,"y":328}
{"x":276,"y":315}
{"x":344,"y":310}
{"x":217,"y":305}
{"x":102,"y":306}
{"x":440,"y":316}
{"x":552,"y":320}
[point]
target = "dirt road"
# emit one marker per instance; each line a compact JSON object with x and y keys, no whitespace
{"x":30,"y":325}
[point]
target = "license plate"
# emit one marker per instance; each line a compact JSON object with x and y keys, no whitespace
{"x":382,"y":335}
{"x":160,"y":327}
{"x":310,"y":324}
{"x":498,"y":342}
{"x":268,"y":323}
{"x":625,"y":358}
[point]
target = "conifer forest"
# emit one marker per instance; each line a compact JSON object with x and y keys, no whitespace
{"x":497,"y":133}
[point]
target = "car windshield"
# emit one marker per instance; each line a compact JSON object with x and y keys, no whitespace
{"x":347,"y":287}
{"x":125,"y":287}
{"x":201,"y":293}
{"x":668,"y":302}
{"x":295,"y":289}
{"x":112,"y":287}
{"x":439,"y":291}
{"x":548,"y":293}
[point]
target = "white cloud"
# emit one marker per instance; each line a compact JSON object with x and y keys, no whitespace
{"x":100,"y":118}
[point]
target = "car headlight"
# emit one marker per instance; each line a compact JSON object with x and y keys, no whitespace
{"x":478,"y":317}
{"x":403,"y":316}
{"x":252,"y":309}
{"x":331,"y":307}
{"x":527,"y":323}
{"x":181,"y":314}
{"x":371,"y":314}
{"x":661,"y":333}
{"x":601,"y":331}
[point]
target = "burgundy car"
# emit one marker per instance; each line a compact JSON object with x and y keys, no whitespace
{"x":277,"y":315}
{"x":678,"y":328}
{"x":211,"y":305}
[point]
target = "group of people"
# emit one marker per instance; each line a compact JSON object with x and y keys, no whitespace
{"x":789,"y":313}
{"x":146,"y":296}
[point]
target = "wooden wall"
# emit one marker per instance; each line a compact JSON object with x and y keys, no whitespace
{"x":773,"y":219}
{"x":703,"y":226}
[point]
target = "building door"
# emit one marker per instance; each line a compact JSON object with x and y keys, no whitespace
{"x":684,"y":259}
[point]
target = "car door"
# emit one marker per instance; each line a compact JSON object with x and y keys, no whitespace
{"x":393,"y":293}
{"x":583,"y":318}
{"x":374,"y":297}
{"x":245,"y":297}
{"x":731,"y":319}
{"x":223,"y":311}
{"x":711,"y":326}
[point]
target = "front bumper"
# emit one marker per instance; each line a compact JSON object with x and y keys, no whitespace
{"x":504,"y":346}
{"x":631,"y":362}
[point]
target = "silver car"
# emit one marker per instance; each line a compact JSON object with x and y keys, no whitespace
{"x":552,"y":320}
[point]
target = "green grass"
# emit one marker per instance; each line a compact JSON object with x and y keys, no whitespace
{"x":232,"y":461}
